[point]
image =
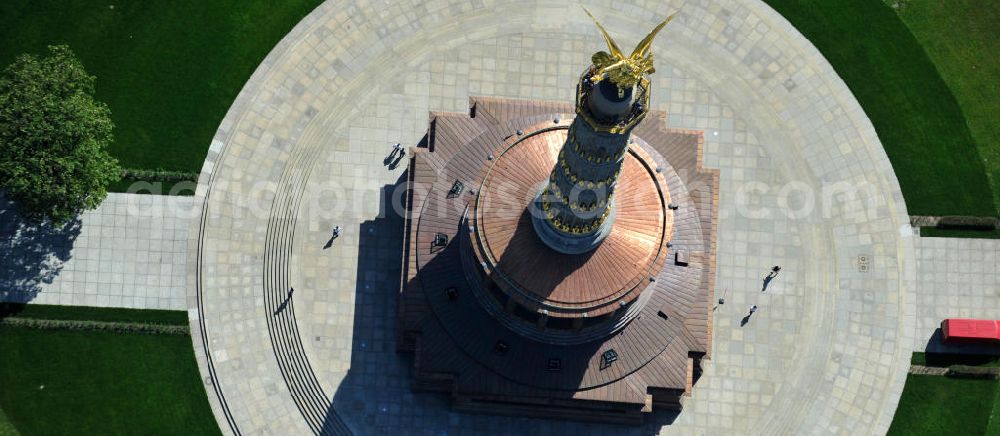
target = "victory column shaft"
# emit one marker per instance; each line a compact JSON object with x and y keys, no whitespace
{"x":576,"y":208}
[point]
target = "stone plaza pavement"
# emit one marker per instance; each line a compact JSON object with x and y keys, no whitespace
{"x":805,"y":185}
{"x":129,"y":252}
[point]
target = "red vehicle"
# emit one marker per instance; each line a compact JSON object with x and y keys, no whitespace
{"x":969,"y":330}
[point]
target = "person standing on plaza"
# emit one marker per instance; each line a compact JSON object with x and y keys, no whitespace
{"x":770,"y":276}
{"x":396,"y":148}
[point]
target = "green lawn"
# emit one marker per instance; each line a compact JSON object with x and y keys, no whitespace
{"x":917,"y":117}
{"x":993,"y":427}
{"x":962,"y":38}
{"x":169,"y":70}
{"x":56,"y":382}
{"x":935,"y":405}
{"x":84,"y":382}
{"x":6,"y":428}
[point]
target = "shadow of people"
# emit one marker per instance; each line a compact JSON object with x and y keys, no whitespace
{"x":390,"y":158}
{"x":31,"y":256}
{"x":284,"y":303}
{"x":745,"y":320}
{"x":333,"y":237}
{"x":767,"y":281}
{"x":395,"y":162}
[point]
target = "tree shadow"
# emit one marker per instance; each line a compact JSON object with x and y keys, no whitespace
{"x":31,"y":256}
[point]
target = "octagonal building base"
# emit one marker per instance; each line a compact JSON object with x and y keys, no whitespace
{"x":506,"y":325}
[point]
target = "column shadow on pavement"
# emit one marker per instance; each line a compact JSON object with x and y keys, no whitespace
{"x":375,"y":396}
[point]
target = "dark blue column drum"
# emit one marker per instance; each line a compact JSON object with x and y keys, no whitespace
{"x":575,"y":211}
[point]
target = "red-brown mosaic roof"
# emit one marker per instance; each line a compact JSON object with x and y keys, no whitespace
{"x":455,"y":331}
{"x":617,"y":270}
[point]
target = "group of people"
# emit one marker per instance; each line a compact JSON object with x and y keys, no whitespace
{"x":397,"y":149}
{"x":771,"y":275}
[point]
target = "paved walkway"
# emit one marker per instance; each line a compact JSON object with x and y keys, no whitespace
{"x":956,"y":278}
{"x":302,"y":150}
{"x":129,"y":252}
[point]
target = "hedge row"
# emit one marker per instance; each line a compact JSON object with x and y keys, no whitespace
{"x":967,"y":222}
{"x":158,"y":175}
{"x":979,"y":372}
{"x":110,"y":327}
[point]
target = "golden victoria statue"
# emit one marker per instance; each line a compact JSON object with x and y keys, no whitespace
{"x":624,"y":71}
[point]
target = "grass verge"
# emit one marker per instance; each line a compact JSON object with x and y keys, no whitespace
{"x":169,"y":70}
{"x":935,"y":405}
{"x":914,"y":112}
{"x":961,"y":38}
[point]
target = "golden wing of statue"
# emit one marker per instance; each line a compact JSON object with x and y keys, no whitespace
{"x":615,"y":51}
{"x":644,"y":65}
{"x":602,"y":59}
{"x":643,"y":46}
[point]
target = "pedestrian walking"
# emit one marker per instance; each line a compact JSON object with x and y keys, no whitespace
{"x":746,"y":319}
{"x":336,"y":232}
{"x":770,"y":276}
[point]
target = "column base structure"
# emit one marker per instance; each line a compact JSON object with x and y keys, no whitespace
{"x":505,"y":316}
{"x":566,"y":243}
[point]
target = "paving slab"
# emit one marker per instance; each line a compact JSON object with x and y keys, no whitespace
{"x":129,"y":252}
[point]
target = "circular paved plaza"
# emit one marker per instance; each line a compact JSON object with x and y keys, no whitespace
{"x":805,"y":184}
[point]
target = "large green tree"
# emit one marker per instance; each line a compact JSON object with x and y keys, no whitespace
{"x":53,"y":137}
